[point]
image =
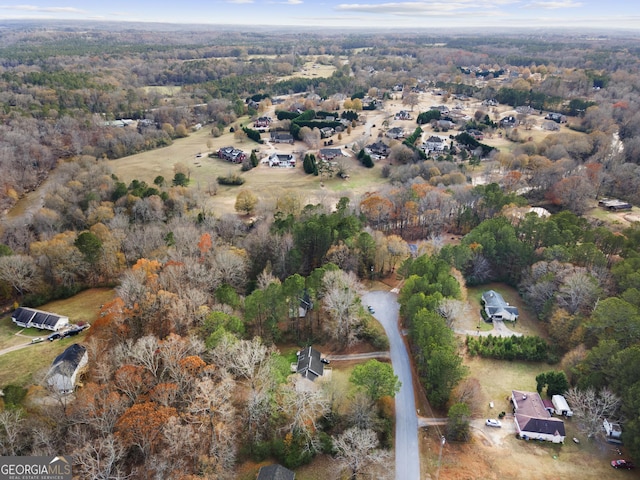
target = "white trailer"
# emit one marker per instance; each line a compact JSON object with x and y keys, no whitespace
{"x":561,"y":406}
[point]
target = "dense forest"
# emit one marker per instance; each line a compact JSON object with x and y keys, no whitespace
{"x":188,"y":377}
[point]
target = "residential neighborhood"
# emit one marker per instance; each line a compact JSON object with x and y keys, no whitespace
{"x":320,"y":254}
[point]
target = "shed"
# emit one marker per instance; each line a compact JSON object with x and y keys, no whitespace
{"x":560,"y":405}
{"x":612,"y":430}
{"x":275,"y":472}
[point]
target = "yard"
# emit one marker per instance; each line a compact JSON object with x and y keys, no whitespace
{"x":527,"y":322}
{"x":495,"y":454}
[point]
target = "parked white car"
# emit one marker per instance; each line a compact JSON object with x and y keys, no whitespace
{"x":492,"y":422}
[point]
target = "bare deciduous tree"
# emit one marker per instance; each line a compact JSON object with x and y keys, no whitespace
{"x":591,"y":407}
{"x":99,"y":458}
{"x":452,"y":310}
{"x":579,"y":292}
{"x":302,"y":408}
{"x":342,"y":301}
{"x":358,"y":449}
{"x":12,"y":435}
{"x":20,"y":271}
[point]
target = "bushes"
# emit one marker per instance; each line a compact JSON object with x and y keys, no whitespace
{"x":232,"y":179}
{"x":253,"y":134}
{"x":529,"y":348}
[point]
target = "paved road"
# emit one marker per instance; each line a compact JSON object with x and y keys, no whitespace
{"x":407,"y":451}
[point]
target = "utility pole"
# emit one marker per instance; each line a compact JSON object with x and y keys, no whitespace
{"x":442,"y":442}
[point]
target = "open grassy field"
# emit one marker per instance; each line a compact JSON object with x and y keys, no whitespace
{"x":82,"y":307}
{"x":166,"y":90}
{"x":267,"y":183}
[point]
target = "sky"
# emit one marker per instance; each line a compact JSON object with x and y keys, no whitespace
{"x":609,"y":14}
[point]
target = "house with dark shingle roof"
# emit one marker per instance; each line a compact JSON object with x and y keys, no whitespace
{"x":66,"y":368}
{"x":328,"y":154}
{"x":309,"y":364}
{"x":275,"y":472}
{"x":496,"y":308}
{"x":532,"y":419}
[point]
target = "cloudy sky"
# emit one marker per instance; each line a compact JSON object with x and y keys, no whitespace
{"x":618,"y":14}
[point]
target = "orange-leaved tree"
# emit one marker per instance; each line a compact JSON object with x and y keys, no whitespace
{"x":141,"y":426}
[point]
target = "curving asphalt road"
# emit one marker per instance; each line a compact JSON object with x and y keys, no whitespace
{"x":387,"y":310}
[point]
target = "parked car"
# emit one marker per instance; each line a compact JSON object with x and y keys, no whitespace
{"x":54,"y":336}
{"x":492,"y":422}
{"x":624,"y":464}
{"x":325,"y":361}
{"x":37,"y":340}
{"x":371,"y":310}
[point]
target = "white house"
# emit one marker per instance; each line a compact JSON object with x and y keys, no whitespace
{"x":281,"y":160}
{"x":533,"y":421}
{"x":434,"y":144}
{"x":31,"y":318}
{"x":66,"y":368}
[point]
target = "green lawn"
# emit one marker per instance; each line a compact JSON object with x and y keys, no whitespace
{"x":29,"y":365}
{"x":81,"y":307}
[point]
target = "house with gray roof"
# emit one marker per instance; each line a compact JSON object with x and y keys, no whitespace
{"x":310,"y":365}
{"x":275,"y":472}
{"x":496,"y":308}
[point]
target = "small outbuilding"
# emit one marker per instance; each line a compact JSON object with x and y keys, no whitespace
{"x":612,"y":431}
{"x":560,"y":406}
{"x":275,"y":472}
{"x":614,"y":205}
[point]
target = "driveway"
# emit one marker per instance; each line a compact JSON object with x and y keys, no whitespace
{"x":499,"y":330}
{"x":407,"y":452}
